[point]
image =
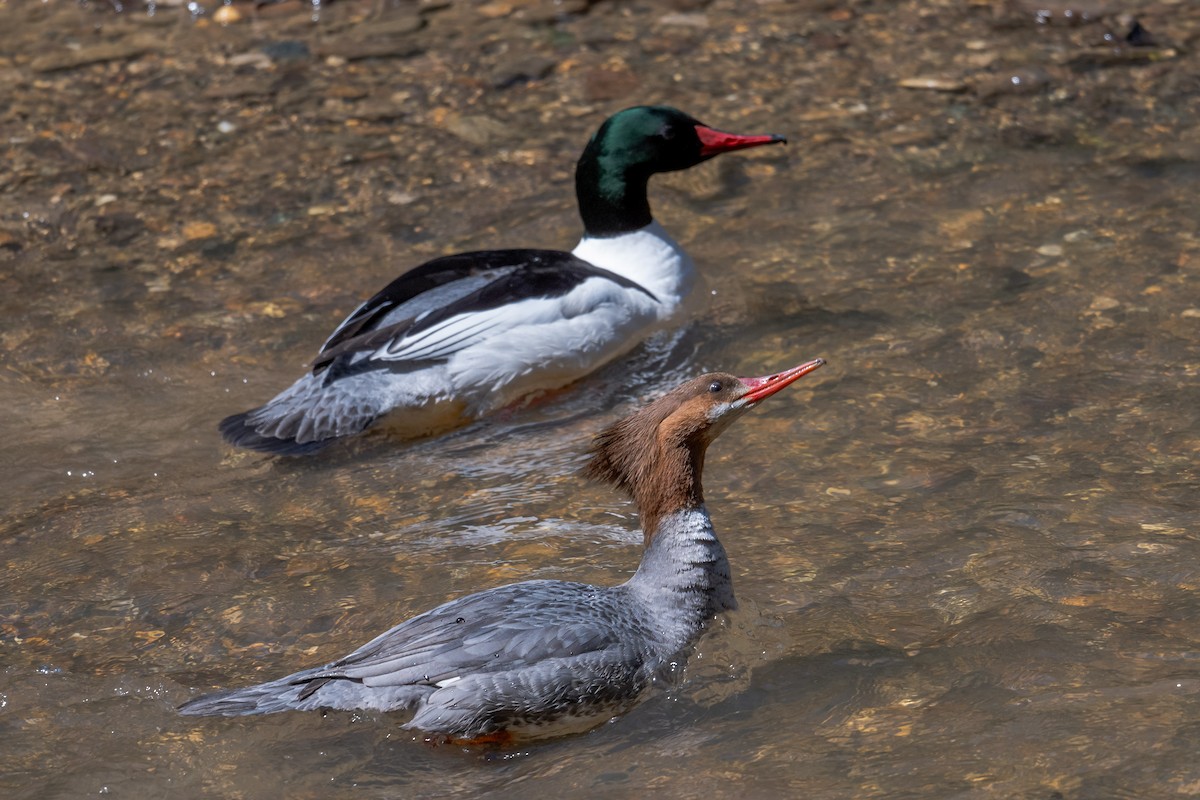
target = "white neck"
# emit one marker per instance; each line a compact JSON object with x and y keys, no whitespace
{"x":683,"y":579}
{"x":648,"y":257}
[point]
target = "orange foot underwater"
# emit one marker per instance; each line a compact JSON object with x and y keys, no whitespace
{"x":500,"y":738}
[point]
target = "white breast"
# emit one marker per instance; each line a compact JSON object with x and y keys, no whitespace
{"x":648,"y":257}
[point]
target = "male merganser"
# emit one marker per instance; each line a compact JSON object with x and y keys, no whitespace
{"x":545,"y":658}
{"x":467,"y":334}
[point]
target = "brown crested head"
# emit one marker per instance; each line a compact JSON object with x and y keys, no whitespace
{"x":656,"y":454}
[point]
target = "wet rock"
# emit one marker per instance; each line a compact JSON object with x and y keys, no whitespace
{"x":199,"y":230}
{"x":395,"y":25}
{"x":522,"y":69}
{"x":124,"y":49}
{"x":9,"y":242}
{"x":685,"y":20}
{"x":1023,"y":134}
{"x":1016,"y":280}
{"x":980,"y":339}
{"x":494,"y":10}
{"x":934,"y":84}
{"x":227,"y":15}
{"x":610,"y":83}
{"x":120,"y":227}
{"x":219,"y":249}
{"x":538,"y":12}
{"x":476,"y":129}
{"x":89,"y":151}
{"x":293,"y":88}
{"x":1119,"y":55}
{"x":9,"y":77}
{"x":371,"y":110}
{"x":343,"y":91}
{"x":248,"y":86}
{"x":353,"y":48}
{"x":256,"y":60}
{"x":1022,"y":81}
{"x":106,"y":151}
{"x":287,"y":50}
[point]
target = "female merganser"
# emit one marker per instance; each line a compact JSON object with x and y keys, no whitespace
{"x":466,"y":334}
{"x":545,"y":658}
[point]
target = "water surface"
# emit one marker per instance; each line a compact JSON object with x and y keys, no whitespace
{"x":966,"y":549}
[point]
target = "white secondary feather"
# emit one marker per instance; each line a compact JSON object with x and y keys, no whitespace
{"x":553,"y":341}
{"x":427,"y":302}
{"x":447,"y":337}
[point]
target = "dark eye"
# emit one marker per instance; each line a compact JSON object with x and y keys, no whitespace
{"x":715,"y":387}
{"x":667,"y":132}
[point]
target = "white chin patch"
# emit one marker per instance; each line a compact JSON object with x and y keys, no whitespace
{"x":718,"y":411}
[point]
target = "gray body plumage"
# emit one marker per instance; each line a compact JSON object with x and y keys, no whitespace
{"x":536,"y":658}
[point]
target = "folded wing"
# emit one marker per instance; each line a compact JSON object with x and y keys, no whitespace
{"x":451,"y":303}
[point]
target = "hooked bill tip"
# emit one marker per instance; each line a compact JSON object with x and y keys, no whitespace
{"x":713,"y":142}
{"x":764,"y":387}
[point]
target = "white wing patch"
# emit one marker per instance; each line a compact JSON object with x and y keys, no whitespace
{"x":442,"y":340}
{"x":539,"y":318}
{"x":425,"y":303}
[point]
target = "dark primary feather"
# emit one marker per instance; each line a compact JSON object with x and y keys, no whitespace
{"x":519,"y":274}
{"x":238,"y":431}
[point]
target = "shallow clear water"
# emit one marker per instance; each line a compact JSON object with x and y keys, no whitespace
{"x":966,"y":549}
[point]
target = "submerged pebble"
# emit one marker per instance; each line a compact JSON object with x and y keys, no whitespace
{"x":1022,"y":81}
{"x":934,"y":84}
{"x":226,"y":15}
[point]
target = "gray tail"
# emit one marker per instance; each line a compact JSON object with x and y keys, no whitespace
{"x":239,"y":431}
{"x":306,"y":417}
{"x":307,"y":691}
{"x":265,"y":698}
